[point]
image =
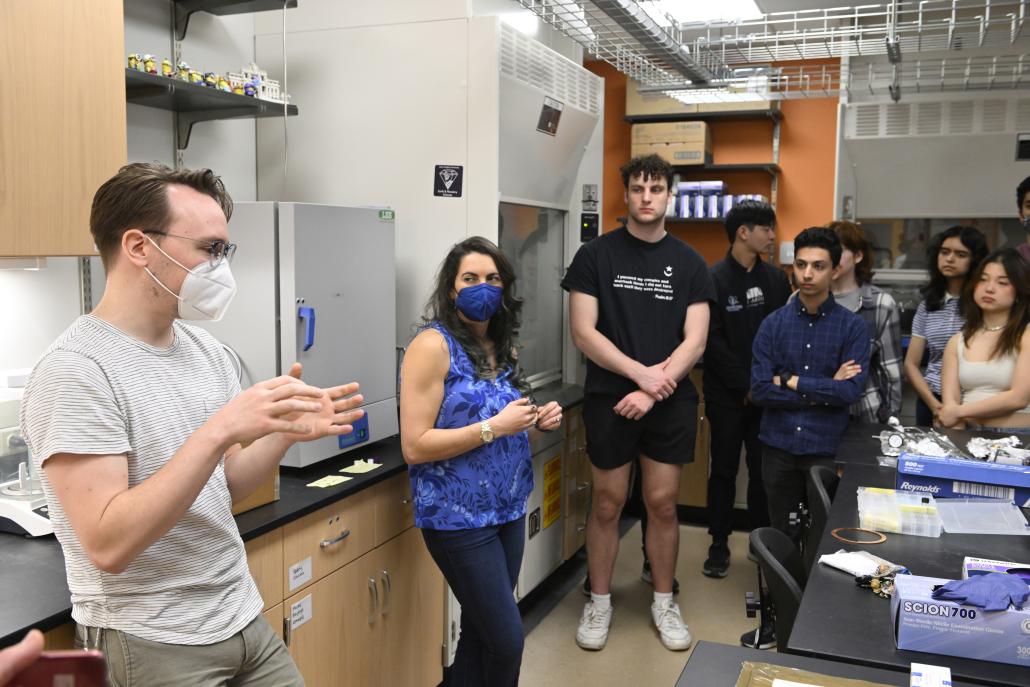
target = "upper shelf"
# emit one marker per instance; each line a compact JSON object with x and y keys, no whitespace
{"x":735,"y":115}
{"x":195,"y":103}
{"x":184,"y":8}
{"x":768,"y":167}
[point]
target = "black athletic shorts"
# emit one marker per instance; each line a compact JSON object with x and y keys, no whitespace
{"x":665,"y":434}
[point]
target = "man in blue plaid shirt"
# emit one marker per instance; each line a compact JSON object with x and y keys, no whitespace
{"x":808,"y":366}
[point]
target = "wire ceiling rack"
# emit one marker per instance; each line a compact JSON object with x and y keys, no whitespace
{"x":914,"y":47}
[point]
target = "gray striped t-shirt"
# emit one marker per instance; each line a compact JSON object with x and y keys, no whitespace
{"x":99,"y":391}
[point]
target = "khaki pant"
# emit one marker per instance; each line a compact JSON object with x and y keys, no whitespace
{"x":253,"y":657}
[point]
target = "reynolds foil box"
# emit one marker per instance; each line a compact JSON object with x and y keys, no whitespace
{"x":972,"y":566}
{"x":922,"y":623}
{"x":958,"y":477}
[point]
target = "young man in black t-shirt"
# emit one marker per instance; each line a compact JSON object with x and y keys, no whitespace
{"x":639,"y":309}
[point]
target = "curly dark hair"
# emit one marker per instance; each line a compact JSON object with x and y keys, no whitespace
{"x":1018,"y":271}
{"x":647,"y":167}
{"x":937,"y":288}
{"x":503,"y":327}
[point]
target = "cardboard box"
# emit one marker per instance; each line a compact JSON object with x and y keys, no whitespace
{"x":266,"y":493}
{"x":922,"y":623}
{"x":638,"y":103}
{"x":958,"y":477}
{"x":680,"y":143}
{"x":982,"y":566}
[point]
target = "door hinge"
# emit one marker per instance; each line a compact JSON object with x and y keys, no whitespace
{"x":286,"y":631}
{"x":443,"y":655}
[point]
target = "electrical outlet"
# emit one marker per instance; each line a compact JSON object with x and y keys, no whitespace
{"x":5,"y":440}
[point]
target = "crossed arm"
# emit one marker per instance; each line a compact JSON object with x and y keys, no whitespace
{"x":655,"y":382}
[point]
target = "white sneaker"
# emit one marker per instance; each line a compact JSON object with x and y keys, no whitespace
{"x":593,"y":627}
{"x":674,"y":633}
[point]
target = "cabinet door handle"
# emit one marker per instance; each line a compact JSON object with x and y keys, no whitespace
{"x":581,"y":528}
{"x":326,"y":543}
{"x":387,"y":586}
{"x":583,"y":486}
{"x":405,"y":501}
{"x":373,"y":591}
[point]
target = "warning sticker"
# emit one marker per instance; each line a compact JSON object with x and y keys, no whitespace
{"x":447,"y":181}
{"x":552,"y":491}
{"x":550,"y":113}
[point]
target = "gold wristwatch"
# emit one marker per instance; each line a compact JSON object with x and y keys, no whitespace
{"x":485,"y":433}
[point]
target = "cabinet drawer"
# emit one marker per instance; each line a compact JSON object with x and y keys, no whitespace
{"x":327,"y":539}
{"x":274,"y":617}
{"x":393,"y":508}
{"x":265,"y":560}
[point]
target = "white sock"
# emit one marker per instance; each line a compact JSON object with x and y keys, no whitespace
{"x":663,"y":598}
{"x":601,"y":601}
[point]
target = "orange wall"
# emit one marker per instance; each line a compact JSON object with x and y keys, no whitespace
{"x":807,"y":158}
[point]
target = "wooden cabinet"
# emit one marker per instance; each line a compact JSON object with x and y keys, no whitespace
{"x":578,"y":481}
{"x":411,"y":613}
{"x":367,"y":607}
{"x":376,"y":621}
{"x":62,"y":130}
{"x":694,"y":481}
{"x":274,"y":616}
{"x":334,"y":627}
{"x":393,"y":508}
{"x":265,"y":559}
{"x":328,"y":539}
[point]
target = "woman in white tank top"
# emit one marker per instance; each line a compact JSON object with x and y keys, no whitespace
{"x":985,"y":379}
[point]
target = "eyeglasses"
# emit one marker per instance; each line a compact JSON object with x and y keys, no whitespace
{"x":219,"y":249}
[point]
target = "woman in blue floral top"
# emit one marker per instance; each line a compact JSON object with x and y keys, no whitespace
{"x":465,"y":418}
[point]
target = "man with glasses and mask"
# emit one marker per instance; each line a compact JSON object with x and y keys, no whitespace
{"x":144,"y":440}
{"x":1023,"y":201}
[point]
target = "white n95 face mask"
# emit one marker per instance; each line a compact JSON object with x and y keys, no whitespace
{"x":206,"y":291}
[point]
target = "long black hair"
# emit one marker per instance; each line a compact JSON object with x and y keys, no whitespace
{"x":937,"y":288}
{"x":1018,"y":272}
{"x":503,"y":327}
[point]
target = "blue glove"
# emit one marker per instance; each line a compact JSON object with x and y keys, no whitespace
{"x":991,"y":592}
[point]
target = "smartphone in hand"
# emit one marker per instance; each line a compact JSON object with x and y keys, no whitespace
{"x":64,"y":669}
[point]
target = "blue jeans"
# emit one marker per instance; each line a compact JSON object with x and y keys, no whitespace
{"x":481,"y":566}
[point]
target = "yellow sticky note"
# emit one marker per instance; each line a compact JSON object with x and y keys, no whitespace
{"x":362,"y":466}
{"x":329,"y":481}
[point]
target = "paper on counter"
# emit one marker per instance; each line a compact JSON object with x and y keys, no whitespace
{"x":925,"y":675}
{"x":361,"y":466}
{"x":329,"y":481}
{"x":854,"y":562}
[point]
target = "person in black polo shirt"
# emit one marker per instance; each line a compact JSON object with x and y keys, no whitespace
{"x":747,"y":290}
{"x":639,"y":310}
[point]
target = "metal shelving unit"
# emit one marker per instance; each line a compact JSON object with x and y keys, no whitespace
{"x":183,"y":9}
{"x":736,"y":115}
{"x":193,"y":103}
{"x":770,"y":168}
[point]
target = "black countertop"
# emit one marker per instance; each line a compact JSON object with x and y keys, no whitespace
{"x":32,"y":570}
{"x":839,"y":620}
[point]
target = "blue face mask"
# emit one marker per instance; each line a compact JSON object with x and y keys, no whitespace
{"x":480,"y":302}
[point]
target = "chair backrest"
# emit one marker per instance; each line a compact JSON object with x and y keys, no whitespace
{"x":821,"y":485}
{"x":784,"y":574}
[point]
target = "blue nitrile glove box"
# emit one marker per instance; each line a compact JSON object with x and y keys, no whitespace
{"x":922,"y":623}
{"x":958,"y":477}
